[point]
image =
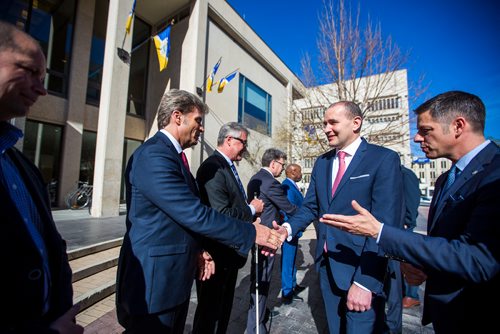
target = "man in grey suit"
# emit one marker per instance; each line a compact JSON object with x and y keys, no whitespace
{"x":459,"y":256}
{"x":221,"y":188}
{"x":265,"y":186}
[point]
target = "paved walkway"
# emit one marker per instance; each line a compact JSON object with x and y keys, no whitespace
{"x":300,"y":317}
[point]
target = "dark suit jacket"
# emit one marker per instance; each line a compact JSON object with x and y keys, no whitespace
{"x":373,"y":179}
{"x":411,"y":196}
{"x":165,"y":222}
{"x":219,"y":190}
{"x":270,"y":191}
{"x":462,"y":260}
{"x":22,"y":281}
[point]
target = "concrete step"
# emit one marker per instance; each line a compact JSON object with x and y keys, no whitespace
{"x":94,"y":274}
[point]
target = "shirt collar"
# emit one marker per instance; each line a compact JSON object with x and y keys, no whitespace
{"x":9,"y":135}
{"x":352,"y":147}
{"x":466,"y":159}
{"x":174,"y":141}
{"x":225,"y":157}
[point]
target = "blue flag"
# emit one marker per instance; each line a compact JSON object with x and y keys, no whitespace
{"x":225,"y":81}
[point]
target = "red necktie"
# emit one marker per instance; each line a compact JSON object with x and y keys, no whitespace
{"x":341,"y":171}
{"x":185,"y":160}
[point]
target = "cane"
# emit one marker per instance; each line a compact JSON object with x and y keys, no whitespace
{"x":257,"y":315}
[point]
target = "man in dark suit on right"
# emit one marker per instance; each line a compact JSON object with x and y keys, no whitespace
{"x":265,"y":186}
{"x":459,"y":258}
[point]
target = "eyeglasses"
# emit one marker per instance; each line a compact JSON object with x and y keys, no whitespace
{"x":244,"y":142}
{"x":283,"y":164}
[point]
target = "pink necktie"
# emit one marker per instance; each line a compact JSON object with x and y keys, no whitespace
{"x":338,"y":177}
{"x":185,"y":160}
{"x":341,"y":171}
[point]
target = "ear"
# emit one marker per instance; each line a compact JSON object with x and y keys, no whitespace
{"x":356,"y":121}
{"x":176,"y":116}
{"x":459,"y":125}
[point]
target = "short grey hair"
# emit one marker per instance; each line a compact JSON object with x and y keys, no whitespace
{"x":272,"y":154}
{"x":7,"y":38}
{"x":181,"y":100}
{"x":232,"y":129}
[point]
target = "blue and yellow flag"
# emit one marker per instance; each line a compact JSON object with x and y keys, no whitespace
{"x":162,"y":44}
{"x":130,"y":18}
{"x":225,"y":80}
{"x":210,"y":79}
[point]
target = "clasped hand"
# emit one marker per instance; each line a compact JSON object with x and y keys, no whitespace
{"x":269,"y":239}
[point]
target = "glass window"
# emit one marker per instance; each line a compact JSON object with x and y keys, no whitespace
{"x":50,"y":22}
{"x":139,"y":68}
{"x":96,"y":61}
{"x":87,"y":157}
{"x":42,"y":145}
{"x":254,"y":107}
{"x":129,"y":147}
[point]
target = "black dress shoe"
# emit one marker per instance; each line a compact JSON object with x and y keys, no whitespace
{"x":298,"y":289}
{"x":290,"y":298}
{"x":270,"y":314}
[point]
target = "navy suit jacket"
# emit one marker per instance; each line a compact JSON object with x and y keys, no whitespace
{"x":462,"y":260}
{"x":373,"y":179}
{"x":293,"y":194}
{"x":165,"y":223}
{"x":220,"y":190}
{"x":22,"y":281}
{"x":270,"y":191}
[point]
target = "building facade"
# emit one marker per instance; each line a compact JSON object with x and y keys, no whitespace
{"x":100,"y":109}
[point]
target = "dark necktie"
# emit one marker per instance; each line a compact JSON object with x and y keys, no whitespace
{"x":185,"y":160}
{"x":242,"y":189}
{"x":452,"y":175}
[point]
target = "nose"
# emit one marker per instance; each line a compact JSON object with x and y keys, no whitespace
{"x":39,"y":88}
{"x":202,"y":128}
{"x":418,"y":138}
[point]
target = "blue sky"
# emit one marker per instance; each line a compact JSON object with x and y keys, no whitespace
{"x":455,"y":44}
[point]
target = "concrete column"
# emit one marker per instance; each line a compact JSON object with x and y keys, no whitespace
{"x":77,"y":90}
{"x":193,"y":62}
{"x":112,"y":114}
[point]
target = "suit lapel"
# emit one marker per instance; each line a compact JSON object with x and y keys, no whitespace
{"x":227,"y":169}
{"x":356,"y":160}
{"x":474,"y":167}
{"x":187,"y":174}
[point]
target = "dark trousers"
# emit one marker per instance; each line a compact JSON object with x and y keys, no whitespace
{"x":340,"y":319}
{"x":394,"y":291}
{"x":169,"y":322}
{"x":215,"y":301}
{"x":266,"y":264}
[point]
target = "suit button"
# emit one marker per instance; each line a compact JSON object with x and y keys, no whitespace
{"x":35,"y":274}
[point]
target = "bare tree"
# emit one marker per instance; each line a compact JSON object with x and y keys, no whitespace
{"x":358,"y":65}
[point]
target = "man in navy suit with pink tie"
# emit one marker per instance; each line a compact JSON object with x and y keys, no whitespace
{"x":459,"y":258}
{"x":351,"y":271}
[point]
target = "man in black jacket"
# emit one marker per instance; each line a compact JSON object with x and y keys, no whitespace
{"x":222,"y":189}
{"x":36,"y":279}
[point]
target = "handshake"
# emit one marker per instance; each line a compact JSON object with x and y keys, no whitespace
{"x":269,"y":239}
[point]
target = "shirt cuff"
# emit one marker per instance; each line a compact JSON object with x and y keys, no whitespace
{"x":252,"y":209}
{"x":380,"y":232}
{"x":288,"y":229}
{"x":362,"y":287}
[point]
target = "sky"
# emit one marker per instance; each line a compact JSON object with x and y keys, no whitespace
{"x":453,"y":44}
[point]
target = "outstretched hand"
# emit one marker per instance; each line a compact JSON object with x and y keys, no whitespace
{"x":363,"y":223}
{"x":270,"y":240}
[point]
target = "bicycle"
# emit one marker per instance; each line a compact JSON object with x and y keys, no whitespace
{"x":81,"y":197}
